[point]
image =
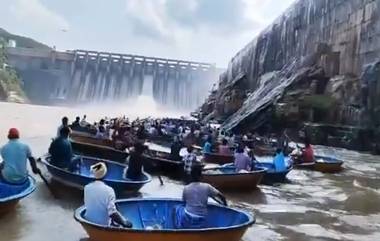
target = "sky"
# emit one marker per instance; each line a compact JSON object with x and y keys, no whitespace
{"x":210,"y":31}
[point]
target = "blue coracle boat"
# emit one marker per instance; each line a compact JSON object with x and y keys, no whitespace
{"x":11,"y":194}
{"x":114,"y":178}
{"x":272,"y":175}
{"x":152,"y":220}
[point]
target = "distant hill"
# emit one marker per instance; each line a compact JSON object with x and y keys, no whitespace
{"x":22,"y":41}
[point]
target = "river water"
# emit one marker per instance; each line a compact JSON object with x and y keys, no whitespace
{"x":312,"y":206}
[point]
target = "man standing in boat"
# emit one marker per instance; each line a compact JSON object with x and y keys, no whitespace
{"x":15,"y":155}
{"x":195,"y":196}
{"x":65,"y":123}
{"x":135,"y":162}
{"x":190,"y":160}
{"x":99,"y":200}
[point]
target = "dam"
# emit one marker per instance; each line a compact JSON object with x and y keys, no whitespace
{"x":81,"y":76}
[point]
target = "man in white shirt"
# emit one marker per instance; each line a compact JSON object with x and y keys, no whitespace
{"x":99,"y":200}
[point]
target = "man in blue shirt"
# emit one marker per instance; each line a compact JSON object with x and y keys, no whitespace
{"x":61,"y":151}
{"x":207,"y":146}
{"x":15,"y":155}
{"x":279,"y":161}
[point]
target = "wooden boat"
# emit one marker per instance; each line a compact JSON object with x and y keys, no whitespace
{"x":161,"y":161}
{"x":152,"y":220}
{"x":218,"y":158}
{"x":11,"y":194}
{"x":328,"y":164}
{"x":114,"y":178}
{"x":226,"y":177}
{"x":305,"y":165}
{"x":91,"y":146}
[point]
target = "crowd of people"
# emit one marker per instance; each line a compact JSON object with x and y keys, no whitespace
{"x":99,"y":198}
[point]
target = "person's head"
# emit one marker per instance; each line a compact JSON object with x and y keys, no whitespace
{"x":190,"y":149}
{"x":240,"y":149}
{"x":64,"y":132}
{"x":99,"y":170}
{"x":196,"y":173}
{"x":102,"y":121}
{"x":84,"y":117}
{"x":139,"y":148}
{"x":65,"y":121}
{"x":224,"y":142}
{"x":278,"y":150}
{"x":77,"y":119}
{"x":13,"y":134}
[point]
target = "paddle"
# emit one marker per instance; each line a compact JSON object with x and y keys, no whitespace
{"x":160,"y":179}
{"x":47,"y":183}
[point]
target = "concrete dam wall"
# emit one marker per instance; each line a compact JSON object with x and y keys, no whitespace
{"x":316,"y":52}
{"x":86,"y":76}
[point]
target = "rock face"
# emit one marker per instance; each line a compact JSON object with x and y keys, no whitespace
{"x":317,"y":62}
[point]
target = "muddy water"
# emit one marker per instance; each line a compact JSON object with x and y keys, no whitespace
{"x":312,"y":206}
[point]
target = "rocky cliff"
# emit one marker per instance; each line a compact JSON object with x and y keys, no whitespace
{"x":316,"y":62}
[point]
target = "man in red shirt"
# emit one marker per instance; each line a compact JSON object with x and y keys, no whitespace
{"x":308,"y":153}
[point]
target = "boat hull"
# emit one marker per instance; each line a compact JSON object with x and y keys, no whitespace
{"x":84,"y":146}
{"x":78,"y":180}
{"x":222,"y":223}
{"x":329,"y":166}
{"x":8,"y":203}
{"x":99,"y":234}
{"x":8,"y":207}
{"x":237,"y":181}
{"x":218,"y":159}
{"x":160,"y":162}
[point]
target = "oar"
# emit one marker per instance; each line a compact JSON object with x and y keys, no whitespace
{"x":160,"y":179}
{"x":48,"y":185}
{"x":46,"y":182}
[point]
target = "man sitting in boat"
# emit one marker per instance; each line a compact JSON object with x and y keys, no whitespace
{"x":308,"y":153}
{"x":195,"y":195}
{"x":224,"y":149}
{"x":15,"y":155}
{"x":99,"y":200}
{"x":279,"y":161}
{"x":190,"y":160}
{"x":62,"y":153}
{"x":135,"y":162}
{"x":76,"y":123}
{"x":175,"y":149}
{"x":101,"y":133}
{"x":242,"y":161}
{"x":65,"y":123}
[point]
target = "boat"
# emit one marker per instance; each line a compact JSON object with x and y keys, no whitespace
{"x":100,"y":148}
{"x":323,"y":164}
{"x":328,"y":164}
{"x":161,"y":161}
{"x":273,"y":176}
{"x":226,"y":177}
{"x":114,"y":178}
{"x":11,"y":194}
{"x":218,"y":158}
{"x":152,"y":220}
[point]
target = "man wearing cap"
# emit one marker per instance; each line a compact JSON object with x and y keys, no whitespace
{"x":99,"y":200}
{"x":15,"y":155}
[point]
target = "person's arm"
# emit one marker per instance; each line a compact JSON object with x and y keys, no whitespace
{"x":115,"y":216}
{"x":33,"y":164}
{"x":217,"y":196}
{"x":32,"y":161}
